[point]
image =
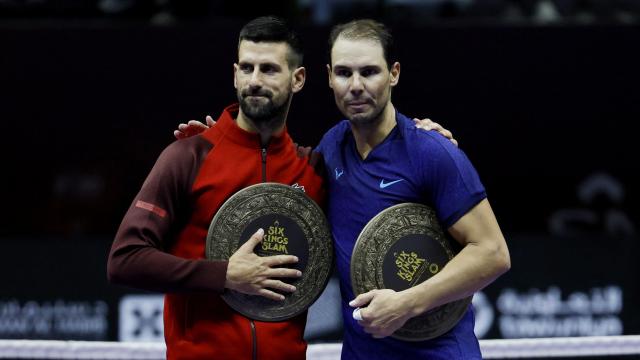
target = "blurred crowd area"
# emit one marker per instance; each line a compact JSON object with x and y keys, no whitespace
{"x":322,"y":12}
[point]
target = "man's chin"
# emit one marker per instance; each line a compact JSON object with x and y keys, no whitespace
{"x":360,"y":118}
{"x":253,"y":111}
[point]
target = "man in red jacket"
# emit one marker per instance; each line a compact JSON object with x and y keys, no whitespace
{"x":160,"y":245}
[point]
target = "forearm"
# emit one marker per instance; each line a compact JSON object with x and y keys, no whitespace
{"x":139,"y":256}
{"x":475,"y":267}
{"x":150,"y":269}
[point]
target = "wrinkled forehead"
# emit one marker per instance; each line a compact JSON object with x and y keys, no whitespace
{"x":263,"y":52}
{"x":357,"y":53}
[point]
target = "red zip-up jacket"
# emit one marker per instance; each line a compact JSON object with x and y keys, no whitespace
{"x":160,"y":245}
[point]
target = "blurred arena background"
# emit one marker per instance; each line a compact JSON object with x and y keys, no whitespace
{"x":543,"y":95}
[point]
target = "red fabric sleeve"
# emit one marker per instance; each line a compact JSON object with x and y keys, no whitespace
{"x":138,"y":256}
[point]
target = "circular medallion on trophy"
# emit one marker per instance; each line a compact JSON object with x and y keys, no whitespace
{"x":400,"y":248}
{"x":293,"y":225}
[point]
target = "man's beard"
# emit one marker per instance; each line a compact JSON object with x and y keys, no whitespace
{"x":262,"y":115}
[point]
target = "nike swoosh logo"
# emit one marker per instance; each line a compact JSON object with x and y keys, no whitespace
{"x":338,"y":174}
{"x":384,"y":185}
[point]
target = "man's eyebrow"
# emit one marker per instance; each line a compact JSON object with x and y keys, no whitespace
{"x":341,"y":67}
{"x":370,"y":67}
{"x":275,"y":65}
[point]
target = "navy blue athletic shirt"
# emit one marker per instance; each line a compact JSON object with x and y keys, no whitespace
{"x":410,"y":165}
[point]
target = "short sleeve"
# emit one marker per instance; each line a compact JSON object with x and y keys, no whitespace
{"x":450,"y":182}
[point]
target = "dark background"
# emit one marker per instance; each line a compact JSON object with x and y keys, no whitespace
{"x":547,"y":114}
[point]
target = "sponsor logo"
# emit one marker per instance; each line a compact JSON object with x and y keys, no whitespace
{"x":54,"y":319}
{"x":385,"y":185}
{"x":339,"y":173}
{"x":141,"y":318}
{"x":550,"y":313}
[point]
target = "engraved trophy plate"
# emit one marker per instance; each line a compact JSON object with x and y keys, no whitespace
{"x":399,"y":248}
{"x":293,"y":224}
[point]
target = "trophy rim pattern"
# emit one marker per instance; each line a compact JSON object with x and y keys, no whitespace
{"x":408,"y":332}
{"x":319,"y":239}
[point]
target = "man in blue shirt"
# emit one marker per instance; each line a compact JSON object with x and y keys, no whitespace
{"x":376,"y":159}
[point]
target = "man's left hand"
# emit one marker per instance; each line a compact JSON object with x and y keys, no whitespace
{"x":427,"y":124}
{"x":386,"y":312}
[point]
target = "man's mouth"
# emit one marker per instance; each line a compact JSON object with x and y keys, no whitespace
{"x":357,"y":102}
{"x":357,"y":105}
{"x":256,"y":99}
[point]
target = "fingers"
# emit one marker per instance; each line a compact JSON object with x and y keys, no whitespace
{"x":189,"y":129}
{"x":277,"y":260}
{"x":196,"y":125}
{"x":279,"y":285}
{"x":270,"y":294}
{"x":254,"y":240}
{"x":425,"y":124}
{"x":178,"y":134}
{"x":210,"y":121}
{"x":181,"y":133}
{"x":446,"y":133}
{"x":283,"y":273}
{"x":192,"y":127}
{"x":362,"y":299}
{"x":357,"y":315}
{"x":276,"y":285}
{"x":437,"y":127}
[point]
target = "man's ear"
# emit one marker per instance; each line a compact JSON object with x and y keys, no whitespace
{"x":329,"y":75}
{"x":299,"y":76}
{"x":395,"y":73}
{"x":235,"y":70}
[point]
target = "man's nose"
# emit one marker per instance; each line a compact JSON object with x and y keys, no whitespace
{"x":255,"y":81}
{"x":357,"y":87}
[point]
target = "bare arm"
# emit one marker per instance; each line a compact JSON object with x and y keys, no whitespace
{"x":483,"y":258}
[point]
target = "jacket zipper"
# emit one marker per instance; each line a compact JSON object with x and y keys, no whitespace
{"x":254,"y":341}
{"x":264,"y":164}
{"x":254,"y":337}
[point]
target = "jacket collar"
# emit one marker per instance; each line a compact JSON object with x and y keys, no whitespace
{"x":227,"y":126}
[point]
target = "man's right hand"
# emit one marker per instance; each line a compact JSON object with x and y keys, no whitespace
{"x":251,"y":274}
{"x":193,"y":127}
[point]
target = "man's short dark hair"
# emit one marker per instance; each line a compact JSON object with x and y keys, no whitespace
{"x":364,"y":29}
{"x":274,"y":29}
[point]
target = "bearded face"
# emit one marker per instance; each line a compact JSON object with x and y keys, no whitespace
{"x":260,"y":105}
{"x":264,"y":82}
